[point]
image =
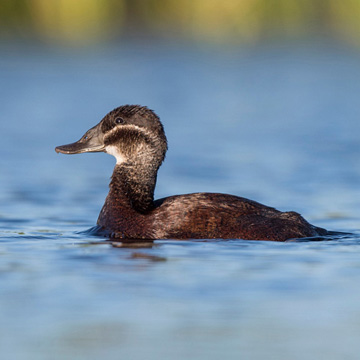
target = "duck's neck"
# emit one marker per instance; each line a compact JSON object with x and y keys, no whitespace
{"x":133,"y":186}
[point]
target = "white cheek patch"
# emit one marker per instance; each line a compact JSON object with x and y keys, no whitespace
{"x":114,"y":151}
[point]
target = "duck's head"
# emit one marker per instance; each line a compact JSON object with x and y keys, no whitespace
{"x":131,"y":133}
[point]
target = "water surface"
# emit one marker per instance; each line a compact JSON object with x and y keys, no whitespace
{"x":279,"y":125}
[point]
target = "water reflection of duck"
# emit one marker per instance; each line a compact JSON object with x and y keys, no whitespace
{"x":135,"y":136}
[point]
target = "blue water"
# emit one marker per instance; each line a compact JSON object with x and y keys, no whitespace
{"x":277,"y":124}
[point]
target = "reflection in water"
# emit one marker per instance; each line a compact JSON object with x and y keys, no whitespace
{"x":132,"y":244}
{"x":137,"y":255}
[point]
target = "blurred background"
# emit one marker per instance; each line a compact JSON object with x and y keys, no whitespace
{"x":89,"y":22}
{"x":259,"y":98}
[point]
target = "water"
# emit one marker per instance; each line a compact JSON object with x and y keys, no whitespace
{"x":279,"y":125}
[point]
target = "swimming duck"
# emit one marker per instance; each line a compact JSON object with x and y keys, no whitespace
{"x":134,"y":135}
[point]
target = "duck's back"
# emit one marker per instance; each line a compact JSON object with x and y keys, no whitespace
{"x":211,"y":216}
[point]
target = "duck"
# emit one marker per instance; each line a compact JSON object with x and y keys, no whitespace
{"x":135,"y":136}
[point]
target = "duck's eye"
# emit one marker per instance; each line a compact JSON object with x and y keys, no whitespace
{"x":119,"y":120}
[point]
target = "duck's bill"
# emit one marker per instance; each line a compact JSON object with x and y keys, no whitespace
{"x":78,"y":148}
{"x":92,"y":141}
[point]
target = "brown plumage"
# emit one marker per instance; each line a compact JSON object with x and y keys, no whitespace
{"x":135,"y":136}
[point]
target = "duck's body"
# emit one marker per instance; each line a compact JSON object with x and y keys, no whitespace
{"x":204,"y":216}
{"x":135,"y":136}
